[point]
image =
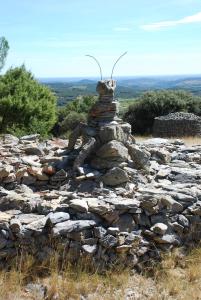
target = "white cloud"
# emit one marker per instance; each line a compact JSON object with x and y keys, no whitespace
{"x":122,"y":29}
{"x":159,"y":25}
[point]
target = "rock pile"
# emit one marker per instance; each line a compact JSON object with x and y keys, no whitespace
{"x":127,"y":213}
{"x":177,"y":125}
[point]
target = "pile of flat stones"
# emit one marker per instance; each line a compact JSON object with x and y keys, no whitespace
{"x":149,"y":203}
{"x":177,"y":125}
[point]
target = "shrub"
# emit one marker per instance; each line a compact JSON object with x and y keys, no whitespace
{"x":72,"y":114}
{"x":25,"y":105}
{"x":142,"y":112}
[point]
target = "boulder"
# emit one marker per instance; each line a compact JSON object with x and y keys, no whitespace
{"x":140,"y":157}
{"x":113,"y":149}
{"x":115,"y":176}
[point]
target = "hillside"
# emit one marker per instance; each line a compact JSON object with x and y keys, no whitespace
{"x":68,"y":89}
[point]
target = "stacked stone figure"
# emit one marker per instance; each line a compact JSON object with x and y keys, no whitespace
{"x":106,"y":138}
{"x":106,"y":108}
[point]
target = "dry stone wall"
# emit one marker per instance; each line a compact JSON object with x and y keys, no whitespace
{"x":177,"y":125}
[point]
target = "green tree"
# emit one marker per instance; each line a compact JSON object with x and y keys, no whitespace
{"x":142,"y":112}
{"x":4,"y":47}
{"x":25,"y":105}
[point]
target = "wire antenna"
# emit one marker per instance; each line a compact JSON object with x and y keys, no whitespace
{"x":97,"y":64}
{"x":117,"y":62}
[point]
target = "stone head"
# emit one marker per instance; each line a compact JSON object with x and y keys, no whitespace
{"x":106,"y":87}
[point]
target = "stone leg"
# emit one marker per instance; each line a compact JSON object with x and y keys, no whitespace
{"x":76,"y":133}
{"x":84,"y":153}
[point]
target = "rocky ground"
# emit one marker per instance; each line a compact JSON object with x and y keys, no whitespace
{"x":95,"y":215}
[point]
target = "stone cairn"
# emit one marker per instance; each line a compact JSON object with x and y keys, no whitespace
{"x":177,"y":124}
{"x":107,"y":141}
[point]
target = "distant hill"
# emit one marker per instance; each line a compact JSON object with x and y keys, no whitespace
{"x":68,"y":89}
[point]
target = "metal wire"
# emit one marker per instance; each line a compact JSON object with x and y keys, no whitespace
{"x":97,"y":64}
{"x":117,"y":62}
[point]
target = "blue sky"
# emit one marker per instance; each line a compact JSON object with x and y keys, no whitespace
{"x":51,"y":37}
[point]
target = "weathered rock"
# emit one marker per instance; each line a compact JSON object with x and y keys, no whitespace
{"x":115,"y":176}
{"x":100,"y":232}
{"x":79,"y":205}
{"x":57,"y":217}
{"x":125,"y":223}
{"x":172,"y":204}
{"x":108,"y":241}
{"x":159,"y":228}
{"x":140,"y":157}
{"x":71,"y":225}
{"x":113,"y":149}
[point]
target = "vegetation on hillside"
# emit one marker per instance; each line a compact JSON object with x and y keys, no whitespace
{"x":25,"y":105}
{"x":127,"y":87}
{"x":142,"y":112}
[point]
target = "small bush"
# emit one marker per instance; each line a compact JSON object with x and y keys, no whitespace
{"x":152,"y":104}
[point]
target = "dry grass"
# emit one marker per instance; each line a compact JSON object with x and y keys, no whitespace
{"x":189,"y":141}
{"x":177,"y":277}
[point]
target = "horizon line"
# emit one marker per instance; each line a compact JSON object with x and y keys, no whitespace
{"x":120,"y":76}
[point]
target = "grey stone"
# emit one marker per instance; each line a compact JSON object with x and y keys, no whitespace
{"x":37,"y":226}
{"x":100,"y":232}
{"x":125,"y":223}
{"x":79,"y":205}
{"x":161,"y":155}
{"x":167,"y":239}
{"x":57,"y":217}
{"x":169,"y":202}
{"x":113,"y":231}
{"x":72,"y":225}
{"x":98,"y":206}
{"x":123,"y":203}
{"x":31,"y":137}
{"x":113,"y":149}
{"x":181,"y":219}
{"x":29,"y":218}
{"x":115,"y":176}
{"x":140,"y":157}
{"x":108,"y":241}
{"x":159,"y":228}
{"x":89,"y":249}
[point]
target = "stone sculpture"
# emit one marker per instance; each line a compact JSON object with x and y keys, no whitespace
{"x":105,"y":135}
